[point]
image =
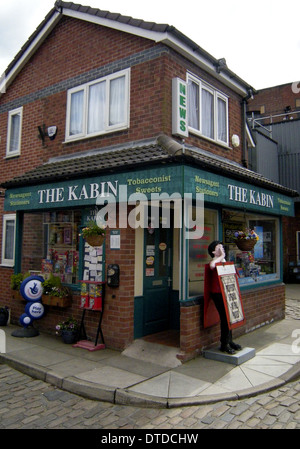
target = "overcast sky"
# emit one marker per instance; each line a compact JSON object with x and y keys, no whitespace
{"x":260,"y":39}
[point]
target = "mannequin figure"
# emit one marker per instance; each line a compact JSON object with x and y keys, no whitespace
{"x":217,"y":252}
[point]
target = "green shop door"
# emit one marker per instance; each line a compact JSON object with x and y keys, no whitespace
{"x":157,"y":278}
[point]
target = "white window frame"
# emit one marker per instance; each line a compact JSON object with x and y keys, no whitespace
{"x":11,"y":114}
{"x":107,"y":127}
{"x":6,"y":218}
{"x":216,"y":95}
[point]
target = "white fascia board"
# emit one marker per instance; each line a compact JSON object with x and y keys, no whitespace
{"x":165,"y":38}
{"x":34,"y":45}
{"x":147,"y":34}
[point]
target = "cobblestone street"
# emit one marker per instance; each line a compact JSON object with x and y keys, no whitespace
{"x":26,"y":403}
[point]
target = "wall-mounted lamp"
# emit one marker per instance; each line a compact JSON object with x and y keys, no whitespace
{"x":235,"y":140}
{"x":50,"y":132}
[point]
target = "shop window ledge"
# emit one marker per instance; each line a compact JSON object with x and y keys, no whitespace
{"x":55,"y":301}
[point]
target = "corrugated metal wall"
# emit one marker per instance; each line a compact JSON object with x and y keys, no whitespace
{"x":287,"y":134}
{"x":278,"y":158}
{"x":264,"y":157}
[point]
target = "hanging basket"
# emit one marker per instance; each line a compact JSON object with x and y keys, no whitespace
{"x":245,"y":245}
{"x":95,"y":240}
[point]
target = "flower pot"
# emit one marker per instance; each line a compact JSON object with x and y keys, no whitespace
{"x":4,"y":317}
{"x":69,"y":337}
{"x":95,"y":240}
{"x":245,"y":245}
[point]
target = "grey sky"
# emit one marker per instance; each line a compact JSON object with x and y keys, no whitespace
{"x":260,"y":40}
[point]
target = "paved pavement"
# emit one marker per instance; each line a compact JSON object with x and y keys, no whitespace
{"x":160,"y":381}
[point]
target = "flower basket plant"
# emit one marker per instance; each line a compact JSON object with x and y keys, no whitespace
{"x":245,"y":240}
{"x":93,"y":234}
{"x":54,"y":293}
{"x":68,"y":330}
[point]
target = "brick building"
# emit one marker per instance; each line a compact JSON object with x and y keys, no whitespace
{"x":100,"y":106}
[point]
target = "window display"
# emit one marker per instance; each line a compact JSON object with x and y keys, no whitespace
{"x":258,"y":261}
{"x":61,"y":245}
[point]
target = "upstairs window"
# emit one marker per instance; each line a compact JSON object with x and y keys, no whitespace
{"x":8,"y":240}
{"x":13,"y":147}
{"x":207,"y":111}
{"x":98,"y":107}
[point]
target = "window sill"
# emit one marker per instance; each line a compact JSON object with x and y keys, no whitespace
{"x":92,"y":136}
{"x":216,"y":142}
{"x":11,"y":156}
{"x":259,"y":282}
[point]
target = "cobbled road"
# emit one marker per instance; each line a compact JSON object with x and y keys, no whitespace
{"x":27,"y":403}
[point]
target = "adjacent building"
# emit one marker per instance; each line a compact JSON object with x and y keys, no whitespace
{"x":274,"y":120}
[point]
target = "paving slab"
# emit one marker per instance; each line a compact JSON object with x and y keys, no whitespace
{"x":235,"y":359}
{"x":111,"y":377}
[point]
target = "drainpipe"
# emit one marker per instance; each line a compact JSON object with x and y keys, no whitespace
{"x":244,"y":113}
{"x":244,"y":144}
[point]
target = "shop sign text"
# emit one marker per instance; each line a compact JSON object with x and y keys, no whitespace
{"x":245,"y":195}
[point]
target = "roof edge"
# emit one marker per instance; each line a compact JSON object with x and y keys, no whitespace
{"x":164,"y":33}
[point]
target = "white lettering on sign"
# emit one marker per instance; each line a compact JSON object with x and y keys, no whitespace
{"x":243,"y":195}
{"x":75,"y":192}
{"x":179,"y":108}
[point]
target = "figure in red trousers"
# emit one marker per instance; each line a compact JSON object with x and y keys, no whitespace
{"x":217,"y":252}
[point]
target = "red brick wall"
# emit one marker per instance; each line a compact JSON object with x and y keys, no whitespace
{"x":117,"y":323}
{"x":150,"y":102}
{"x":73,"y":48}
{"x":275,"y":100}
{"x":261,"y":306}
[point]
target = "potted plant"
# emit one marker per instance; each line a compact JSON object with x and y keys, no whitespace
{"x":15,"y":284}
{"x":54,"y":293}
{"x":4,"y":314}
{"x":245,"y":240}
{"x":68,"y":330}
{"x":93,"y":234}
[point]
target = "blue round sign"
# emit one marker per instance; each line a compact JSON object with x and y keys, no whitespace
{"x":25,"y":320}
{"x":35,"y":310}
{"x":31,"y":288}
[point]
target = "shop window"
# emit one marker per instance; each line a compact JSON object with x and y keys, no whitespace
{"x":8,"y":240}
{"x":61,"y":245}
{"x":207,"y":111}
{"x":98,"y":107}
{"x":13,"y":147}
{"x":50,"y":244}
{"x":198,"y":255}
{"x":260,"y":263}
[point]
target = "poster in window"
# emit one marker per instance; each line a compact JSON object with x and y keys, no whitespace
{"x":231,"y":294}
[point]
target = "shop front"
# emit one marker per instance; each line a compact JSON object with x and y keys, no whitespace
{"x":160,"y":253}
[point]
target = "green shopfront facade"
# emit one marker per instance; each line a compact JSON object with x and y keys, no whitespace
{"x":161,"y":270}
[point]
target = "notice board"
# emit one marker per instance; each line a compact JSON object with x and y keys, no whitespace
{"x":231,"y":294}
